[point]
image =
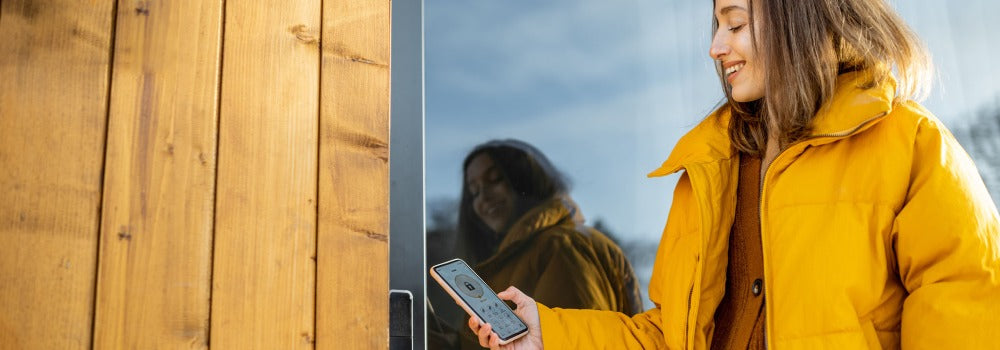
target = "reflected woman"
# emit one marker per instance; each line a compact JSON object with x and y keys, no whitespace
{"x":819,"y":206}
{"x":518,"y":226}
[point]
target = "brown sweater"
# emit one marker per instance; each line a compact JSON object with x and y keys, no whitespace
{"x":739,"y":320}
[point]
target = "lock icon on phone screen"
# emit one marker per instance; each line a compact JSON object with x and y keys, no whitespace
{"x":468,"y":286}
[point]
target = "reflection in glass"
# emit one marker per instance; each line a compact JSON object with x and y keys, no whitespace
{"x":518,"y":226}
{"x":607,"y":88}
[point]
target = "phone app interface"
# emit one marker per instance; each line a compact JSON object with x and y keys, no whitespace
{"x":481,"y":298}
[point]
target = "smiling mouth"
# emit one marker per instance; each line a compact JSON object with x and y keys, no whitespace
{"x":492,"y":216}
{"x":492,"y":210}
{"x":732,"y":70}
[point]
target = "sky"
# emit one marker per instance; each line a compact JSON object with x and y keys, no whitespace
{"x":606,"y":88}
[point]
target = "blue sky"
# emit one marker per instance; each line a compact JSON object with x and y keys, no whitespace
{"x":606,"y":88}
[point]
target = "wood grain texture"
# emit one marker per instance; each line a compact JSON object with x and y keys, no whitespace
{"x":154,"y":279}
{"x":354,"y":177}
{"x":54,"y":61}
{"x":263,"y":292}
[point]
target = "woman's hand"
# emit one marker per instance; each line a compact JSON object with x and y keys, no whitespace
{"x":526,"y":310}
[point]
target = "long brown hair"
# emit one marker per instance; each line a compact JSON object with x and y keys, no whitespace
{"x":804,"y":45}
{"x":531,"y":177}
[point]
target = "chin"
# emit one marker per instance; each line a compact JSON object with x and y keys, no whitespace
{"x":745,"y":99}
{"x":743,"y":96}
{"x":496,"y":227}
{"x":745,"y":93}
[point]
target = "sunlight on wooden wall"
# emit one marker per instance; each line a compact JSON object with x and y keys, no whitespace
{"x":207,"y":174}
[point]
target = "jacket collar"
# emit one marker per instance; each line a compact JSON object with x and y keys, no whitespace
{"x":552,"y":212}
{"x":851,"y":110}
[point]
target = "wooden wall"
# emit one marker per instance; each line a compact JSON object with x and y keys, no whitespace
{"x":194,"y":174}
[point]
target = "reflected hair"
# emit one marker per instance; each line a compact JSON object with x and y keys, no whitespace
{"x":804,"y":45}
{"x":532,"y":178}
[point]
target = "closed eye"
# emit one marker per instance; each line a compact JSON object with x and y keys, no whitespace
{"x":737,"y":28}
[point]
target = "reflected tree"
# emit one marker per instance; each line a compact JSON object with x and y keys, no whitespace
{"x":640,"y":252}
{"x":980,"y":137}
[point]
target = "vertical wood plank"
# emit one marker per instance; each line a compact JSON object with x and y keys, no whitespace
{"x":156,"y":243}
{"x":353,"y":271}
{"x":263,"y":293}
{"x":54,"y":61}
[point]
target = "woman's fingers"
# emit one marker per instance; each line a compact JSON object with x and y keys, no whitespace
{"x":525,"y":308}
{"x":484,"y":335}
{"x":494,"y":342}
{"x":479,"y":329}
{"x":474,"y":324}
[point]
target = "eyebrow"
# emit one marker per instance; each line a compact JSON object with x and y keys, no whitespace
{"x":723,"y":11}
{"x":486,"y":172}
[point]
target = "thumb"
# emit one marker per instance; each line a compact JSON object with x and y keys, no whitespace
{"x":515,"y":295}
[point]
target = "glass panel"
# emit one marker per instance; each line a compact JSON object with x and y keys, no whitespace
{"x":604,"y":90}
{"x":406,"y":188}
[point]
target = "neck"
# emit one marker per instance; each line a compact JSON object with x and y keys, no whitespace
{"x":772,"y":148}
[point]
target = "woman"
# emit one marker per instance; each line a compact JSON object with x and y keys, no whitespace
{"x":518,"y":225}
{"x":819,"y":207}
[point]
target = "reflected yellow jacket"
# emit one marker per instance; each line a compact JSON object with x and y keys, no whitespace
{"x":550,"y":254}
{"x":877,"y":232}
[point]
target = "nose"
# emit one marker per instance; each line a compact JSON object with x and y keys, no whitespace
{"x":477,"y":206}
{"x":481,"y":198}
{"x":720,"y":48}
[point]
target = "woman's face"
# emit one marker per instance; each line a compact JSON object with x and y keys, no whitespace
{"x":493,"y":199}
{"x":732,"y":44}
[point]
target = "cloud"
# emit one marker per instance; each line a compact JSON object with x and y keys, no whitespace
{"x":606,"y":88}
{"x":603,"y":88}
{"x":565,"y":44}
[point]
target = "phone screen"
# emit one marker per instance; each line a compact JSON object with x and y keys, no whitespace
{"x":481,"y":299}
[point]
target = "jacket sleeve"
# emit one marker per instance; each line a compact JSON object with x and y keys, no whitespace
{"x":595,"y":329}
{"x":570,"y":275}
{"x":572,"y":279}
{"x":945,"y":238}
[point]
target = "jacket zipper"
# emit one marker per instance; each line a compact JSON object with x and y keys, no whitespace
{"x":848,"y":131}
{"x":698,"y":262}
{"x":687,"y":317}
{"x":760,"y":212}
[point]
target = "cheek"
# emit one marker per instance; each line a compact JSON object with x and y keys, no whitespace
{"x":743,"y":43}
{"x":476,"y":205}
{"x":758,"y":80}
{"x":510,"y":199}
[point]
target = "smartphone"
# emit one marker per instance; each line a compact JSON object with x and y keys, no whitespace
{"x":473,"y":295}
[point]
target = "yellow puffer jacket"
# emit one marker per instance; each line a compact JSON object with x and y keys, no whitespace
{"x":550,"y":254}
{"x":877,"y":232}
